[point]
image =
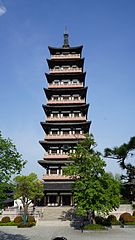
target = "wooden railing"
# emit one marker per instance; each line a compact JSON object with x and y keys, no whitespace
{"x":65,"y":70}
{"x":64,"y":136}
{"x":64,"y":101}
{"x":65,"y":85}
{"x":66,"y":118}
{"x":59,"y":56}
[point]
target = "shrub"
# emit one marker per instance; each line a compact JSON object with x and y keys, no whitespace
{"x":94,"y":227}
{"x":126,"y":217}
{"x":99,"y":220}
{"x":102,"y":221}
{"x":112,"y":218}
{"x":130,"y":223}
{"x":117,"y":222}
{"x":31,"y":219}
{"x":106,"y":222}
{"x":5,"y":219}
{"x":133,"y":213}
{"x":18,"y":219}
{"x":8,"y":224}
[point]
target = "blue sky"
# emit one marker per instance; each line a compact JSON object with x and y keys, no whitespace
{"x":106,"y":28}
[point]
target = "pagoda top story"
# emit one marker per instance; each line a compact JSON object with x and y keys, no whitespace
{"x":65,"y":47}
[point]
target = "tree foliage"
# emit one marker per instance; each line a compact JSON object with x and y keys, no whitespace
{"x":123,"y":154}
{"x":94,"y":189}
{"x":10,"y":163}
{"x":27,"y":189}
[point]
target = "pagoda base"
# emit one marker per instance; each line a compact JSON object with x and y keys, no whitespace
{"x":59,"y":199}
{"x":57,"y":193}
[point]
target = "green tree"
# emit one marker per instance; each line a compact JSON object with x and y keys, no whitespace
{"x":10,"y":163}
{"x":94,"y":189}
{"x":123,"y":154}
{"x":28,"y":189}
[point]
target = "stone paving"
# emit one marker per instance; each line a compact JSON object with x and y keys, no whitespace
{"x":47,"y":230}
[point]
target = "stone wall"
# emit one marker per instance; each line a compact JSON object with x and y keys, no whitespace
{"x":122,"y":208}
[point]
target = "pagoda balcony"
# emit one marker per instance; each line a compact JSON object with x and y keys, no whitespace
{"x":55,"y":177}
{"x":66,"y":101}
{"x":52,"y":119}
{"x":64,"y":136}
{"x":65,"y":86}
{"x":56,"y":156}
{"x":65,"y":56}
{"x":66,"y":70}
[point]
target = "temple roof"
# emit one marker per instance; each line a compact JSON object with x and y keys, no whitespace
{"x":73,"y":125}
{"x":79,"y":76}
{"x":56,"y":162}
{"x":62,"y":62}
{"x":49,"y":109}
{"x":81,"y":91}
{"x":46,"y":144}
{"x":54,"y":50}
{"x":53,"y":186}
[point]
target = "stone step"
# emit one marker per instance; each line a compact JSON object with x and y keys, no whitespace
{"x":54,"y":213}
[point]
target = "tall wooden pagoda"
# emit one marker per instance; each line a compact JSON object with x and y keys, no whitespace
{"x":66,"y":119}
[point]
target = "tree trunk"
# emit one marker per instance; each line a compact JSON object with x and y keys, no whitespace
{"x":91,"y":217}
{"x":25,"y":215}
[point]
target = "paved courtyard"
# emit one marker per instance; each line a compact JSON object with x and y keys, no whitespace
{"x":47,"y":230}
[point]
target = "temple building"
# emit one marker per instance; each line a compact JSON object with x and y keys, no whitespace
{"x":66,"y":121}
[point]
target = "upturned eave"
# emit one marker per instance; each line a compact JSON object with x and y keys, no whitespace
{"x":77,"y":49}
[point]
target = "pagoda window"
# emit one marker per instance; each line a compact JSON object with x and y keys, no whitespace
{"x":65,"y":152}
{"x":76,"y":114}
{"x":55,"y":115}
{"x":56,"y":82}
{"x":74,"y":66}
{"x":65,"y":67}
{"x":53,"y":170}
{"x":75,"y":81}
{"x":65,"y":114}
{"x":65,"y":97}
{"x":65,"y":53}
{"x":66,"y":82}
{"x":66,"y":131}
{"x":75,"y":97}
{"x":77,"y":131}
{"x":54,"y":151}
{"x":55,"y":131}
{"x":49,"y":151}
{"x":55,"y":97}
{"x":57,"y":67}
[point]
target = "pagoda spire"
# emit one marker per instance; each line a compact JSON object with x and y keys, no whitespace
{"x":66,"y":42}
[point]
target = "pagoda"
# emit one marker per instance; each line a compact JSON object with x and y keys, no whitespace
{"x":66,"y":120}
